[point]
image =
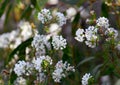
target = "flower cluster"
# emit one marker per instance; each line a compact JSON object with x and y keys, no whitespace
{"x":111,"y":33}
{"x":20,"y":81}
{"x":14,"y":38}
{"x":39,"y":42}
{"x":42,"y":60}
{"x":23,"y":68}
{"x":102,"y":22}
{"x":7,"y":38}
{"x":92,"y":34}
{"x":86,"y":78}
{"x":59,"y":42}
{"x":40,"y":64}
{"x":61,"y":18}
{"x":44,"y":16}
{"x":26,"y":30}
{"x":61,"y":70}
{"x":80,"y":35}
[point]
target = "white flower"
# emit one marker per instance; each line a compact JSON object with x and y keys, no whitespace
{"x":16,"y":42}
{"x":61,"y":70}
{"x":4,"y":40}
{"x":13,"y":35}
{"x":61,"y":18}
{"x":20,"y":81}
{"x":37,"y":62}
{"x":58,"y":75}
{"x":91,"y":36}
{"x":111,"y":33}
{"x":71,"y":12}
{"x":7,"y":38}
{"x":39,"y":42}
{"x":44,"y":16}
{"x":80,"y":35}
{"x":59,"y":42}
{"x":19,"y":68}
{"x":26,"y":30}
{"x":41,"y":77}
{"x":102,"y":22}
{"x":54,"y":28}
{"x":85,"y":78}
{"x":23,"y":68}
{"x":90,"y":44}
{"x":29,"y":68}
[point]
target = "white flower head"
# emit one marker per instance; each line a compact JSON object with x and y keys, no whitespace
{"x":41,"y":77}
{"x":19,"y":68}
{"x":61,"y":18}
{"x":20,"y":81}
{"x":23,"y":68}
{"x":37,"y":62}
{"x":102,"y":22}
{"x":4,"y":40}
{"x":26,"y":30}
{"x":61,"y":70}
{"x":44,"y":15}
{"x":80,"y":35}
{"x":111,"y":33}
{"x":71,"y":12}
{"x":91,"y":36}
{"x":39,"y":42}
{"x":86,"y":78}
{"x":29,"y":68}
{"x":59,"y":42}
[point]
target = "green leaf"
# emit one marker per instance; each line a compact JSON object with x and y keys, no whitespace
{"x":19,"y":49}
{"x":3,"y":6}
{"x":12,"y":78}
{"x":27,"y":12}
{"x":75,"y":23}
{"x":104,"y":10}
{"x":96,"y":69}
{"x":8,"y":12}
{"x":85,"y":60}
{"x":41,"y":3}
{"x":67,"y":56}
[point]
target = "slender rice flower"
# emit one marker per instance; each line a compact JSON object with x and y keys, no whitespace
{"x":4,"y":40}
{"x":23,"y":68}
{"x":19,"y":68}
{"x":86,"y":78}
{"x":91,"y":36}
{"x":26,"y":30}
{"x":41,"y":77}
{"x":59,"y":42}
{"x":61,"y":18}
{"x":41,"y":62}
{"x":39,"y":42}
{"x":80,"y":35}
{"x":44,"y":15}
{"x":102,"y":22}
{"x":20,"y":81}
{"x":61,"y":70}
{"x":111,"y":33}
{"x":29,"y":68}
